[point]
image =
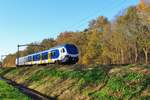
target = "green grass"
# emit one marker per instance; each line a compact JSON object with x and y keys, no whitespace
{"x":5,"y":70}
{"x":100,"y":82}
{"x":93,"y":76}
{"x":147,"y":66}
{"x":7,"y":92}
{"x":123,"y":86}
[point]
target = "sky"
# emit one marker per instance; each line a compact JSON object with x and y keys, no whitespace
{"x":26,"y":21}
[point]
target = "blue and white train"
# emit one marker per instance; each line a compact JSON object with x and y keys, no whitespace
{"x":65,"y":54}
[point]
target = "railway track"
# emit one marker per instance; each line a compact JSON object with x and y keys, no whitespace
{"x":34,"y":95}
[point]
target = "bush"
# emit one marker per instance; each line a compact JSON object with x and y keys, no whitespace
{"x":123,"y":86}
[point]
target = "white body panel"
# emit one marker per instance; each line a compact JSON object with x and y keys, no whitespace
{"x":62,"y":55}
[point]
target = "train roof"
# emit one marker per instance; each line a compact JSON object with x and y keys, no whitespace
{"x":53,"y":48}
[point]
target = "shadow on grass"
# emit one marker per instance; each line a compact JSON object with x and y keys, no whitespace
{"x":3,"y":71}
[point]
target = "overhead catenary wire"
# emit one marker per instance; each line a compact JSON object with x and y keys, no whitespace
{"x":84,"y":20}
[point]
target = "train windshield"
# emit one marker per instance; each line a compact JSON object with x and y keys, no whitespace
{"x":71,"y":49}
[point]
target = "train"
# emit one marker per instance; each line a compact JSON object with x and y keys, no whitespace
{"x":62,"y":54}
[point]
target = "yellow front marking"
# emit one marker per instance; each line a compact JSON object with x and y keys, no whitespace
{"x":40,"y":58}
{"x":49,"y":57}
{"x":32,"y":62}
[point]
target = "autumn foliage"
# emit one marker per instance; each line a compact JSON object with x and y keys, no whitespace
{"x":125,"y":40}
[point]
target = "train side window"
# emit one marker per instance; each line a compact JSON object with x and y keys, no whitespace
{"x":62,"y":50}
{"x":54,"y":54}
{"x":44,"y":55}
{"x":29,"y":58}
{"x":34,"y":58}
{"x":38,"y":57}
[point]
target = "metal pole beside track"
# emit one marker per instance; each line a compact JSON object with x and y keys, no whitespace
{"x":22,"y":46}
{"x":1,"y":65}
{"x":18,"y":55}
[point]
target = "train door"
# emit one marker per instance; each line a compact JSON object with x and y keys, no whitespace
{"x":55,"y":55}
{"x":49,"y":57}
{"x":40,"y":58}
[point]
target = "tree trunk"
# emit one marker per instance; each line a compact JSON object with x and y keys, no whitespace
{"x":136,"y":54}
{"x":146,"y":55}
{"x":122,"y":56}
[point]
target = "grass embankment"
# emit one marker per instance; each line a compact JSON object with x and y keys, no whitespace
{"x":76,"y":82}
{"x":8,"y":92}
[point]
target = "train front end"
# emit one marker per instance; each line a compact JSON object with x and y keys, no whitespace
{"x":70,"y":54}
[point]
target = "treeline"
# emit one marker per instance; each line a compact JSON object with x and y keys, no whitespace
{"x":125,"y":40}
